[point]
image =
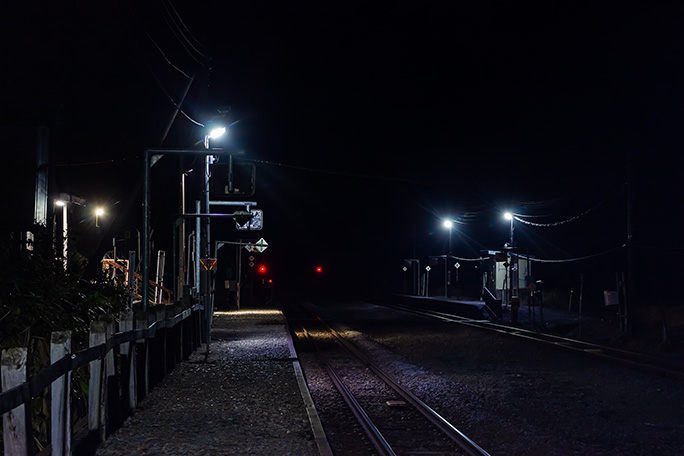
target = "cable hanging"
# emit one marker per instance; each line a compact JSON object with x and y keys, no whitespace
{"x":183,"y":40}
{"x":518,"y":218}
{"x":135,"y":16}
{"x":568,"y":260}
{"x":173,"y":8}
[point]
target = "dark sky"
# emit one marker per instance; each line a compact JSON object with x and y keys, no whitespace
{"x":369,"y":123}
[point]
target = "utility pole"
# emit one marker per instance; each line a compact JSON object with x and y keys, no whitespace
{"x":631,"y":277}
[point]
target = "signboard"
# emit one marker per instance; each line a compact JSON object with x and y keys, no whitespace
{"x":256,"y":223}
{"x":257,"y":247}
{"x":209,"y":264}
{"x":261,"y":245}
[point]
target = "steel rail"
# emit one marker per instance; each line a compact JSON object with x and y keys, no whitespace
{"x":373,"y":433}
{"x":463,"y":441}
{"x":636,"y":360}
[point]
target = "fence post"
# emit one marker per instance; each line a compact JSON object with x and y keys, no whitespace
{"x":97,"y":381}
{"x":162,"y":337}
{"x":14,"y":422}
{"x":170,"y":343}
{"x":60,"y":412}
{"x":129,"y":391}
{"x":113,"y":403}
{"x":142,"y":369}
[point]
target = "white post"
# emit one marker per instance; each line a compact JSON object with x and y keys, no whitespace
{"x":130,"y":280}
{"x":14,"y":421}
{"x":60,"y":415}
{"x":128,"y":355}
{"x":98,"y":336}
{"x":65,"y":239}
{"x":159,"y":279}
{"x":144,"y":347}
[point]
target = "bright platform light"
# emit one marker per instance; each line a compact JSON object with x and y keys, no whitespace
{"x":217,"y":132}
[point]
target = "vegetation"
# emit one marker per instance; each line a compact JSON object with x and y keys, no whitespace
{"x":37,"y":297}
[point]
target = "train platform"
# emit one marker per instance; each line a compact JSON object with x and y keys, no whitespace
{"x":247,"y":397}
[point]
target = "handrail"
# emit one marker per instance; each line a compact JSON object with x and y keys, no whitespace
{"x":23,"y":393}
{"x":107,"y":263}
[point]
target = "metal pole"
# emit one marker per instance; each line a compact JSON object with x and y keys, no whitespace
{"x":197,"y":248}
{"x":207,"y":162}
{"x":446,"y":264}
{"x":65,"y":239}
{"x":446,"y":275}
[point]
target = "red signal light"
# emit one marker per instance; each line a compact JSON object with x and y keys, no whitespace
{"x":262,"y":269}
{"x":319,"y":269}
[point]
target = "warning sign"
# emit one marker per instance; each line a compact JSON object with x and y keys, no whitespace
{"x":209,"y":264}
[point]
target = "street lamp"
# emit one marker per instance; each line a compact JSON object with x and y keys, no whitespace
{"x":215,"y":132}
{"x":449,"y":224}
{"x":509,"y":216}
{"x":65,"y":242}
{"x":98,"y":212}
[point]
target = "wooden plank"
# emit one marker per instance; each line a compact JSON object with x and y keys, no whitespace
{"x":60,"y":415}
{"x":13,"y":367}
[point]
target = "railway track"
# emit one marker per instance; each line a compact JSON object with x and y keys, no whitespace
{"x":670,"y":368}
{"x":393,"y":419}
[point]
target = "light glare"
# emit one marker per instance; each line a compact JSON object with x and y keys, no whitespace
{"x":217,"y":132}
{"x":448,"y":224}
{"x":508,"y":216}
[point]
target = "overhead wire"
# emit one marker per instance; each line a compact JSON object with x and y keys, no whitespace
{"x":518,"y":217}
{"x":183,"y":41}
{"x":568,"y":260}
{"x":173,"y":8}
{"x":324,"y":171}
{"x":161,"y":51}
{"x":154,"y":75}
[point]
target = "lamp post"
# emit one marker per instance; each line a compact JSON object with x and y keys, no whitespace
{"x":65,"y":242}
{"x":509,"y":216}
{"x":449,"y":224}
{"x":214,"y":133}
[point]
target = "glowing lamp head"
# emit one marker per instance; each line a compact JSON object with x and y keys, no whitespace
{"x":217,"y":132}
{"x":508,"y":216}
{"x":448,"y":224}
{"x":60,"y":203}
{"x":99,"y":211}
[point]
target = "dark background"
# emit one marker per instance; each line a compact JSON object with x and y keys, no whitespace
{"x":368,"y":125}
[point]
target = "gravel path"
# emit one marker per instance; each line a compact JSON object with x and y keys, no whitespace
{"x":243,"y":400}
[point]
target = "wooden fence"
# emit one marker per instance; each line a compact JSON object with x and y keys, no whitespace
{"x":127,"y":356}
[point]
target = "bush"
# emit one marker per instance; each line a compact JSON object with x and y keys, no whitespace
{"x":37,"y":297}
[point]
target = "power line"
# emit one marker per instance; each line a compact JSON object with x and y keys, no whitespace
{"x":184,"y":38}
{"x":518,"y":218}
{"x":154,"y":75}
{"x":324,"y":171}
{"x":173,"y":8}
{"x":155,"y":43}
{"x":568,"y":260}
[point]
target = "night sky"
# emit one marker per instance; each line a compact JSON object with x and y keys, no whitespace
{"x":368,"y":124}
